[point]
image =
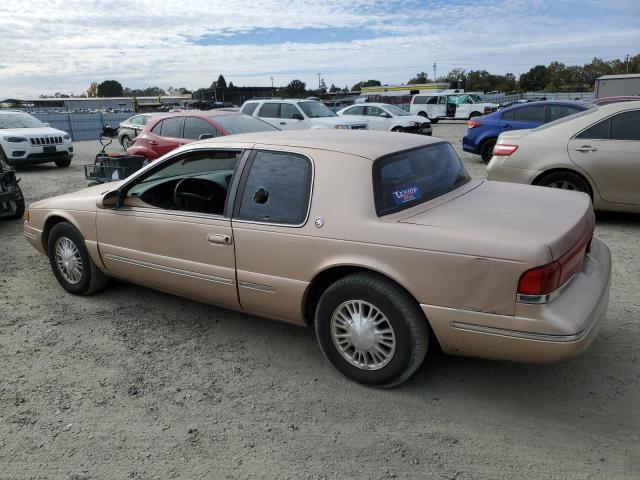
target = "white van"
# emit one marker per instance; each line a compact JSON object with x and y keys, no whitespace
{"x":454,"y":106}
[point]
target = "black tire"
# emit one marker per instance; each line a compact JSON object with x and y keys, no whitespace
{"x":397,"y":129}
{"x":63,"y":163}
{"x":486,"y":150}
{"x":92,"y":279}
{"x":565,"y":181}
{"x":125,"y":141}
{"x":19,"y":208}
{"x":474,"y":115}
{"x":403,"y":314}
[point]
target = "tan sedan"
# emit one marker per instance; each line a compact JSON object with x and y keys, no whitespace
{"x":596,"y":152}
{"x":380,"y":241}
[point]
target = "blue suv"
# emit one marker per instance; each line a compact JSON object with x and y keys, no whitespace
{"x":483,"y":131}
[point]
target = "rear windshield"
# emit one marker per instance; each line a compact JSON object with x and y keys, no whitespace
{"x":242,"y":124}
{"x":406,"y":179}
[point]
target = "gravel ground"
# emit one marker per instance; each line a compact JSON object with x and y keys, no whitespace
{"x":132,"y":383}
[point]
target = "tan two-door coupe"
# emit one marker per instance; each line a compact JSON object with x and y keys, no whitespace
{"x":381,"y":241}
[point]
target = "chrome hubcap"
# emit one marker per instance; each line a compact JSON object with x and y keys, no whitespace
{"x":363,"y":335}
{"x":563,"y":184}
{"x":68,"y":260}
{"x":126,"y":143}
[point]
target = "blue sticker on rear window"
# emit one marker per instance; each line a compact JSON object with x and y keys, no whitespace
{"x":408,"y":194}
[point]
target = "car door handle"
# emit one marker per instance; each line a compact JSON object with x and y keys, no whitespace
{"x":219,"y":239}
{"x":586,"y":148}
{"x":283,"y":123}
{"x":153,"y":142}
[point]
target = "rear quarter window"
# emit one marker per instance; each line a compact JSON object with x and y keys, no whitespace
{"x":249,"y":108}
{"x":405,"y":179}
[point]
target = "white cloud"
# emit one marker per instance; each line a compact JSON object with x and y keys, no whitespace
{"x":63,"y":45}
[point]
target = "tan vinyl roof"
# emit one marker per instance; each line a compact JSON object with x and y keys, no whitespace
{"x":368,"y":144}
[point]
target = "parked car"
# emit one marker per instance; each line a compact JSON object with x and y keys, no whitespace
{"x":25,"y":140}
{"x":131,"y":128}
{"x":608,"y":100}
{"x":11,"y":198}
{"x":380,"y":241}
{"x":453,"y":106}
{"x":596,"y":151}
{"x":163,"y":133}
{"x":382,"y":116}
{"x":294,"y":114}
{"x":483,"y":132}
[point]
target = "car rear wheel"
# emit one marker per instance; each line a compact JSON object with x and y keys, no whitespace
{"x":125,"y":141}
{"x":371,"y":330}
{"x":397,"y":129}
{"x":63,"y":163}
{"x":486,"y":150}
{"x":565,"y":181}
{"x":474,"y":114}
{"x":71,"y":263}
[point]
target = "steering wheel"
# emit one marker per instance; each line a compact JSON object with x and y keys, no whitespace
{"x":196,"y":194}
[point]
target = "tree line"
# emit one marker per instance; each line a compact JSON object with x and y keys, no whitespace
{"x":554,"y":77}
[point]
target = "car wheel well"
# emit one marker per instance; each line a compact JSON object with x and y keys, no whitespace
{"x":537,"y":180}
{"x":48,"y":225}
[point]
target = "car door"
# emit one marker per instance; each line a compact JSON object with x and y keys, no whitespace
{"x":530,"y":116}
{"x":609,"y":151}
{"x":137,"y":123}
{"x":165,"y":136}
{"x":374,"y":120}
{"x":269,"y":112}
{"x":437,"y":106}
{"x":270,"y":212}
{"x":290,"y":117}
{"x":174,"y":248}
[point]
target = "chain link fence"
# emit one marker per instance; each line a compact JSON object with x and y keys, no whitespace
{"x":82,"y":126}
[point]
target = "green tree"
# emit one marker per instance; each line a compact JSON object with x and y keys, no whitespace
{"x":92,"y":91}
{"x":222,"y":83}
{"x":419,"y":78}
{"x":323,"y":86}
{"x":296,"y":88}
{"x":367,"y":83}
{"x":110,"y":88}
{"x":333,"y":89}
{"x":535,"y":79}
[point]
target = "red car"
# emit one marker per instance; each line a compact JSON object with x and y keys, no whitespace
{"x":164,"y":133}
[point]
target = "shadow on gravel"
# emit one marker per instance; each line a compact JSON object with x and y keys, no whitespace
{"x":617,"y":218}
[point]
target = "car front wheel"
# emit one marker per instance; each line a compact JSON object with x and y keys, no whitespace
{"x":63,"y":163}
{"x":71,"y":263}
{"x":486,"y":151}
{"x":371,"y":330}
{"x":125,"y":142}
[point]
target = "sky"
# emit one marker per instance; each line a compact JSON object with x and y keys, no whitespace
{"x":50,"y":46}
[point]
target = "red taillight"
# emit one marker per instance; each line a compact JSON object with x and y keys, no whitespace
{"x":540,"y":280}
{"x":504,"y":150}
{"x":474,"y":123}
{"x":548,"y":278}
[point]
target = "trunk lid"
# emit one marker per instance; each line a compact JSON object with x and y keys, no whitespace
{"x":517,"y":213}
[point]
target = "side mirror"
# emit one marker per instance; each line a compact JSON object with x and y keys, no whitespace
{"x":109,"y":199}
{"x":385,"y":115}
{"x":47,"y":124}
{"x":204,"y":136}
{"x":297,"y":116}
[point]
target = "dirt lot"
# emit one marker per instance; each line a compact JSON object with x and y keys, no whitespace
{"x":133,"y":383}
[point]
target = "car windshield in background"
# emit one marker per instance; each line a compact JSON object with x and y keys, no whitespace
{"x":242,"y":124}
{"x":396,"y":110}
{"x":316,"y":110}
{"x":19,"y":120}
{"x":406,"y":179}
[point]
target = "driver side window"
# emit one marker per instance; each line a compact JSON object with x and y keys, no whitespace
{"x":194,"y":182}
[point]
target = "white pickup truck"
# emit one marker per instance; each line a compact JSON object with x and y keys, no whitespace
{"x":454,"y":106}
{"x":294,"y":114}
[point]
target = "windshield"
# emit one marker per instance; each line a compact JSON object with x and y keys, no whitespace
{"x":316,"y":110}
{"x":19,"y":120}
{"x":410,"y":178}
{"x":242,"y":124}
{"x":397,"y":111}
{"x":462,"y":99}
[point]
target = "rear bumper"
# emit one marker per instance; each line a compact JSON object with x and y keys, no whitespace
{"x":554,"y":332}
{"x":498,"y":170}
{"x":471,"y":146}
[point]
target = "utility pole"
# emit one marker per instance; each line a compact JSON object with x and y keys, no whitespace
{"x":271,"y":86}
{"x":626,"y":61}
{"x":319,"y":81}
{"x":434,"y":71}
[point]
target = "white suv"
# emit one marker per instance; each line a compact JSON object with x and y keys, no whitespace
{"x":293,"y":114}
{"x":454,"y":106}
{"x":25,"y":140}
